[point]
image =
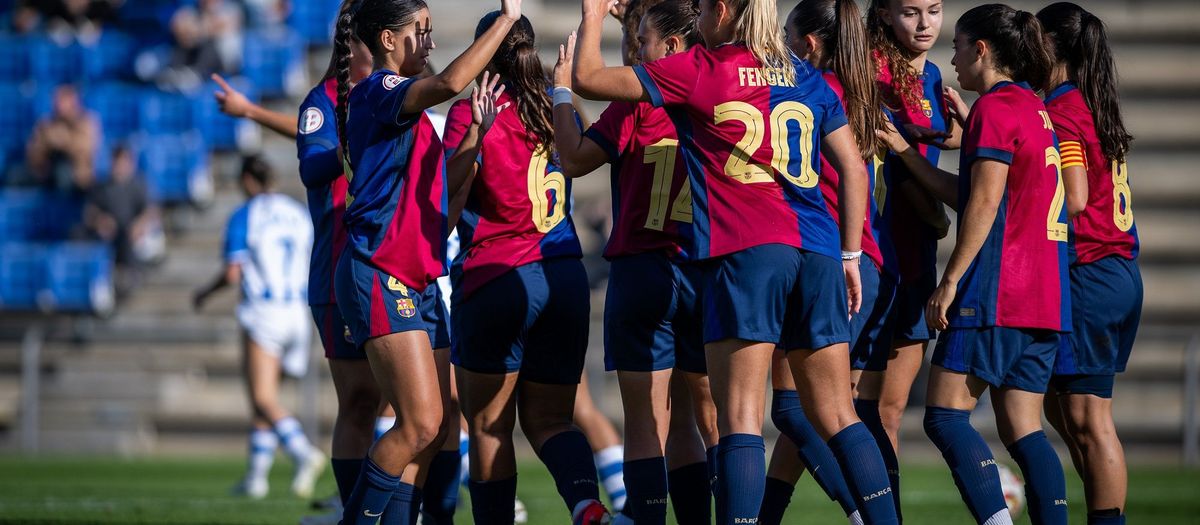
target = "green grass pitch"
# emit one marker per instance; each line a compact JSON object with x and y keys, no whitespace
{"x":194,"y":491}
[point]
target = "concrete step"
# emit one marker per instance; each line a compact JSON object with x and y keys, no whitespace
{"x":1163,"y":179}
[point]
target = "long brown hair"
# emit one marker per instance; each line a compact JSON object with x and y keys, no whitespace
{"x":906,"y":81}
{"x":519,"y":66}
{"x":838,"y":24}
{"x":1017,"y":43}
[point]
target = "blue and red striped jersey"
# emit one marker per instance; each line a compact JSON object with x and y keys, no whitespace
{"x":321,"y":173}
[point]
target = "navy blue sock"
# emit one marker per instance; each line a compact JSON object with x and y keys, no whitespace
{"x":742,"y":474}
{"x":441,"y":488}
{"x":862,"y":466}
{"x":691,"y":494}
{"x":1105,"y":517}
{"x":789,"y":418}
{"x":492,"y":501}
{"x":402,"y":507}
{"x":371,"y":495}
{"x":646,"y":490}
{"x":776,"y":498}
{"x":969,"y":458}
{"x":868,"y":412}
{"x":1045,"y":484}
{"x":713,"y":457}
{"x":345,"y":474}
{"x":568,"y":457}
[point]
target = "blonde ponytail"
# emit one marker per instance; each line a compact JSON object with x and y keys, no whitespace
{"x":756,"y":23}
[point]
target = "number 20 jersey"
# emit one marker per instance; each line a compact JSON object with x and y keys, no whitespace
{"x":751,"y":141}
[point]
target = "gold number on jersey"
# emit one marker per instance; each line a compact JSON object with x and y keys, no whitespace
{"x":662,"y":155}
{"x":546,"y":189}
{"x":781,"y":116}
{"x":1046,"y":123}
{"x":739,"y":166}
{"x":1122,"y":197}
{"x":881,"y":188}
{"x":1056,"y":228}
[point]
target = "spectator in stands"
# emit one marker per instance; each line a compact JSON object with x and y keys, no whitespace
{"x":122,"y":213}
{"x":266,"y":14}
{"x":24,"y":18}
{"x":62,"y":148}
{"x":207,"y":39}
{"x":80,"y":20}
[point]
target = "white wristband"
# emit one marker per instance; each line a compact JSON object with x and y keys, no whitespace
{"x":563,"y":95}
{"x":850,"y":256}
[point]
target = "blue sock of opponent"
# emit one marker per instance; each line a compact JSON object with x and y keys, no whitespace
{"x":1045,"y":484}
{"x":691,"y":495}
{"x":568,"y":457}
{"x":646,"y":490}
{"x":441,"y":488}
{"x":492,"y":501}
{"x":971,"y":463}
{"x":776,"y":498}
{"x":370,"y":496}
{"x":742,"y":473}
{"x":402,"y":507}
{"x":868,"y":412}
{"x":713,"y":456}
{"x":862,"y":466}
{"x":345,"y":474}
{"x":789,"y":418}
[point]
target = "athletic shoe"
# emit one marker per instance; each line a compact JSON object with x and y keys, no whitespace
{"x":307,"y":474}
{"x":520,"y":515}
{"x":590,"y":512}
{"x":253,"y":488}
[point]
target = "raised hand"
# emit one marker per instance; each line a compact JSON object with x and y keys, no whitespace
{"x":566,"y":62}
{"x":598,"y":9}
{"x":483,"y":102}
{"x":954,"y":104}
{"x":618,"y":9}
{"x":511,"y":9}
{"x":231,"y":101}
{"x":892,"y":137}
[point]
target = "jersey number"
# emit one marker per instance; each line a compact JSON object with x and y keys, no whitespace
{"x":881,"y":188}
{"x":547,"y":192}
{"x":739,"y":166}
{"x":1056,"y":227}
{"x":1122,"y":197}
{"x":662,"y":155}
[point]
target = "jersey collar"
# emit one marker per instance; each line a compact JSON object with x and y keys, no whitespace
{"x":1003,"y":83}
{"x":1059,"y":91}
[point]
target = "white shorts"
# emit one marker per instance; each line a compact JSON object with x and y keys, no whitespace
{"x":282,"y":331}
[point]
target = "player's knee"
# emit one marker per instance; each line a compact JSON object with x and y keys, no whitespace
{"x":890,"y":414}
{"x":424,"y":427}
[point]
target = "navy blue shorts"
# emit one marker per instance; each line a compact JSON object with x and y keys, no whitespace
{"x":870,"y":330}
{"x":1106,"y":308}
{"x":777,"y":294}
{"x":652,"y":315}
{"x":335,"y":335}
{"x":532,"y":319}
{"x":1002,"y":356}
{"x":375,"y":304}
{"x":908,"y":311}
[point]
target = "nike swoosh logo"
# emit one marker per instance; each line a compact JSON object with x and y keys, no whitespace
{"x":367,"y":513}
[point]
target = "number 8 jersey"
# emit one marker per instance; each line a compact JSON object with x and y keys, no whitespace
{"x":764,"y":189}
{"x":519,"y":207}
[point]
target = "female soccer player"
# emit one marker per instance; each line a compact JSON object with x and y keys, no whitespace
{"x":1106,"y":286}
{"x":520,"y":299}
{"x":396,"y":222}
{"x":1003,"y":298}
{"x":751,"y":120}
{"x":652,"y":324}
{"x":830,"y":35}
{"x":902,"y":32}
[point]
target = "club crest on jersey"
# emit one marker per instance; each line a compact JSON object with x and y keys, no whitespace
{"x":311,"y":120}
{"x":391,"y":81}
{"x":926,"y":108}
{"x":406,"y":308}
{"x":397,"y":286}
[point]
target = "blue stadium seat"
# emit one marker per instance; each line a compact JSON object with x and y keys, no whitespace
{"x":118,"y":106}
{"x":78,"y":278}
{"x":313,"y":20}
{"x":14,"y":58}
{"x":20,"y":213}
{"x":176,"y":167}
{"x":163,"y":113}
{"x":52,"y":63}
{"x":110,"y":57}
{"x":16,"y":119}
{"x":222,"y":132}
{"x":273,"y":60}
{"x":21,"y":275}
{"x":58,"y":215}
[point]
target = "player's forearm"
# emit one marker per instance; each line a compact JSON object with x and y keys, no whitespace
{"x":943,"y":184}
{"x":588,"y":58}
{"x":977,"y":221}
{"x":852,"y":205}
{"x":280,"y":123}
{"x":1076,"y":186}
{"x":954,"y":141}
{"x":461,"y":163}
{"x":568,"y":140}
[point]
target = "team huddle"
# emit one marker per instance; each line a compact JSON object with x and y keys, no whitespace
{"x":776,"y":208}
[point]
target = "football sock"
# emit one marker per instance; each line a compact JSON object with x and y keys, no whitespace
{"x":345,"y":474}
{"x":741,"y":475}
{"x":868,"y":412}
{"x":440,"y":494}
{"x":865,"y":474}
{"x":492,"y":501}
{"x":382,"y":425}
{"x":691,"y":494}
{"x":262,"y":453}
{"x":464,"y":449}
{"x":1106,"y":517}
{"x":371,"y":496}
{"x":647,"y":489}
{"x":970,"y":461}
{"x":609,"y":464}
{"x":292,"y":437}
{"x":574,"y":476}
{"x":789,"y":418}
{"x":712,"y":455}
{"x":776,"y":497}
{"x":401,"y":508}
{"x":1045,"y":484}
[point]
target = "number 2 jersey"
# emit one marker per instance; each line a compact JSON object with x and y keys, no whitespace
{"x":750,"y":140}
{"x":1105,"y":227}
{"x":269,"y":238}
{"x":519,"y":207}
{"x":321,"y":173}
{"x":1019,"y":277}
{"x":396,"y":191}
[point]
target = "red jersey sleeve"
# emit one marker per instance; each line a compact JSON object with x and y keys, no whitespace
{"x":671,"y":80}
{"x":992,"y":132}
{"x":457,"y":121}
{"x":614,"y":130}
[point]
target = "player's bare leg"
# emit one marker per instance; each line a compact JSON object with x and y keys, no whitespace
{"x":489,"y":405}
{"x":406,"y":370}
{"x":1089,"y":421}
{"x":737,"y":369}
{"x":902,"y":368}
